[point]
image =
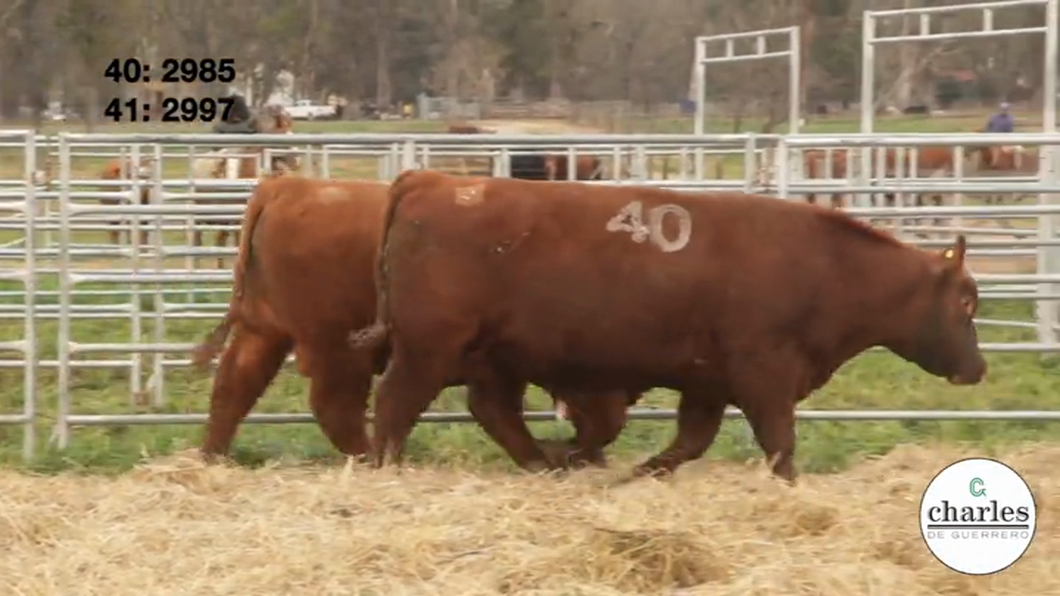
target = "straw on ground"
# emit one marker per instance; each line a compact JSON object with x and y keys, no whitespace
{"x":174,"y":526}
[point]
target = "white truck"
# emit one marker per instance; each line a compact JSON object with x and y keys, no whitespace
{"x":304,"y":109}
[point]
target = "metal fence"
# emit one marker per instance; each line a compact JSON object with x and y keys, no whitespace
{"x":73,"y":282}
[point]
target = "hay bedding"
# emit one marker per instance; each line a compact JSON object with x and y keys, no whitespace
{"x":174,"y":526}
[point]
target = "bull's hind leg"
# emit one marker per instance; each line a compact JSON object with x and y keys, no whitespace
{"x":598,"y":419}
{"x":196,"y":241}
{"x":115,"y":232}
{"x":220,"y":242}
{"x":246,"y":368}
{"x":699,"y":415}
{"x":339,"y":397}
{"x":496,"y":402}
{"x":406,"y":388}
{"x":940,"y":222}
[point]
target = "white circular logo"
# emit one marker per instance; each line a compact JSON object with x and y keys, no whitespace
{"x":978,"y":516}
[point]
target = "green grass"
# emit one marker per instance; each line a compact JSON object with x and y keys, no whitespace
{"x":871,"y":381}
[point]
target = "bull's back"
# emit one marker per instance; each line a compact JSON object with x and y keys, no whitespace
{"x":616,"y":274}
{"x":313,"y":252}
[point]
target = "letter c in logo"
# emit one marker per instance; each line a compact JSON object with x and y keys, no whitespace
{"x":976,"y":487}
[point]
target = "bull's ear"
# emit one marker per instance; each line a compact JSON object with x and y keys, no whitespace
{"x":955,"y":253}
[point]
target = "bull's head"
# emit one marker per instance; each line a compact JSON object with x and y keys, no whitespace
{"x":941,"y":338}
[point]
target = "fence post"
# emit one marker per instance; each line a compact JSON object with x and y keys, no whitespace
{"x":29,"y":282}
{"x":62,"y":427}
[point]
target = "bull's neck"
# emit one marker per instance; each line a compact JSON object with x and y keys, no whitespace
{"x":879,"y":302}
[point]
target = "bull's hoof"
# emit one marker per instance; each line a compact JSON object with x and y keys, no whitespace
{"x":213,"y":458}
{"x":358,"y":458}
{"x":583,"y":458}
{"x":566,"y":454}
{"x":658,"y":471}
{"x":539,"y":467}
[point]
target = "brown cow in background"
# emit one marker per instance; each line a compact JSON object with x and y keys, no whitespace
{"x":303,"y":281}
{"x":125,"y":168}
{"x":541,"y":166}
{"x":731,"y":299}
{"x":468,"y":129}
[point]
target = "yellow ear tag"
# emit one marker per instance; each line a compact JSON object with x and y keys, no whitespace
{"x":948,"y":253}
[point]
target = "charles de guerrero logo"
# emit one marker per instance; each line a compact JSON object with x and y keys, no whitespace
{"x":978,"y":516}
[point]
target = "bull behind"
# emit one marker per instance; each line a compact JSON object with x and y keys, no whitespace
{"x":730,"y":299}
{"x":303,"y":280}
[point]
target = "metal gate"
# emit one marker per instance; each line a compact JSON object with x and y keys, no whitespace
{"x":19,"y":295}
{"x":159,"y":288}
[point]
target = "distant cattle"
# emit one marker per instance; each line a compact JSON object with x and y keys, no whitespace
{"x":126,"y":168}
{"x":243,"y":163}
{"x":468,"y":129}
{"x":540,"y":166}
{"x":930,"y":162}
{"x":1004,"y":160}
{"x":303,"y":281}
{"x":731,"y":299}
{"x":543,"y":166}
{"x":234,"y":163}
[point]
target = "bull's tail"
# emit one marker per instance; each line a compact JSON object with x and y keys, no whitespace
{"x":214,"y":342}
{"x":375,"y":336}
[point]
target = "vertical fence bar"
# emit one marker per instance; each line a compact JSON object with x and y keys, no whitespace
{"x":62,"y":426}
{"x":156,"y":383}
{"x":700,"y":85}
{"x":29,"y":282}
{"x":1048,"y":256}
{"x":795,"y":80}
{"x":135,"y":308}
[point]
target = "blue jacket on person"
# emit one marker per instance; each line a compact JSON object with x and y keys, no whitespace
{"x":1000,"y":122}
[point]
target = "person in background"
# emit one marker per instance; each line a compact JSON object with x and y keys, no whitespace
{"x":1001,"y":121}
{"x":239,"y":119}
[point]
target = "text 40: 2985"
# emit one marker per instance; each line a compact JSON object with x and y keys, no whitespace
{"x":188,"y":109}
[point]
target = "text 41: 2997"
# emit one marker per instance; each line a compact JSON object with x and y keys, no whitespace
{"x":188,"y":109}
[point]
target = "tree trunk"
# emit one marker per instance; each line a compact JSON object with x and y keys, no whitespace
{"x":452,"y":57}
{"x":907,"y":62}
{"x":91,"y":107}
{"x":306,"y":78}
{"x":808,"y":32}
{"x":382,"y":62}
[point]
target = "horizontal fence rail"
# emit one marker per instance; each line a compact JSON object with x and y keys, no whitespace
{"x":66,"y":271}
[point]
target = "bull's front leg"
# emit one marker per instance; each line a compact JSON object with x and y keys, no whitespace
{"x":699,"y":416}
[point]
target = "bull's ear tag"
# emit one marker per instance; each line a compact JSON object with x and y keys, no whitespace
{"x":956,"y":252}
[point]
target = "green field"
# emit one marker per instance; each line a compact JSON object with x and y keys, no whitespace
{"x":872,"y":381}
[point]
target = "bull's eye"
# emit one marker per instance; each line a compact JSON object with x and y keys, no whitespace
{"x":968,"y":303}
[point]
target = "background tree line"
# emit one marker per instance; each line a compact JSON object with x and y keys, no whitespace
{"x":580,"y":50}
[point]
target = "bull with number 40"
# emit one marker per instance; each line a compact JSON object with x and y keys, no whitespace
{"x":727,"y":298}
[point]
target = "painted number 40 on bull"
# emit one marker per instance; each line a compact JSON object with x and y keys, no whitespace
{"x":631,"y":219}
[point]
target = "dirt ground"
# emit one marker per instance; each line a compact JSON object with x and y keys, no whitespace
{"x":538,"y":127}
{"x":174,"y":526}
